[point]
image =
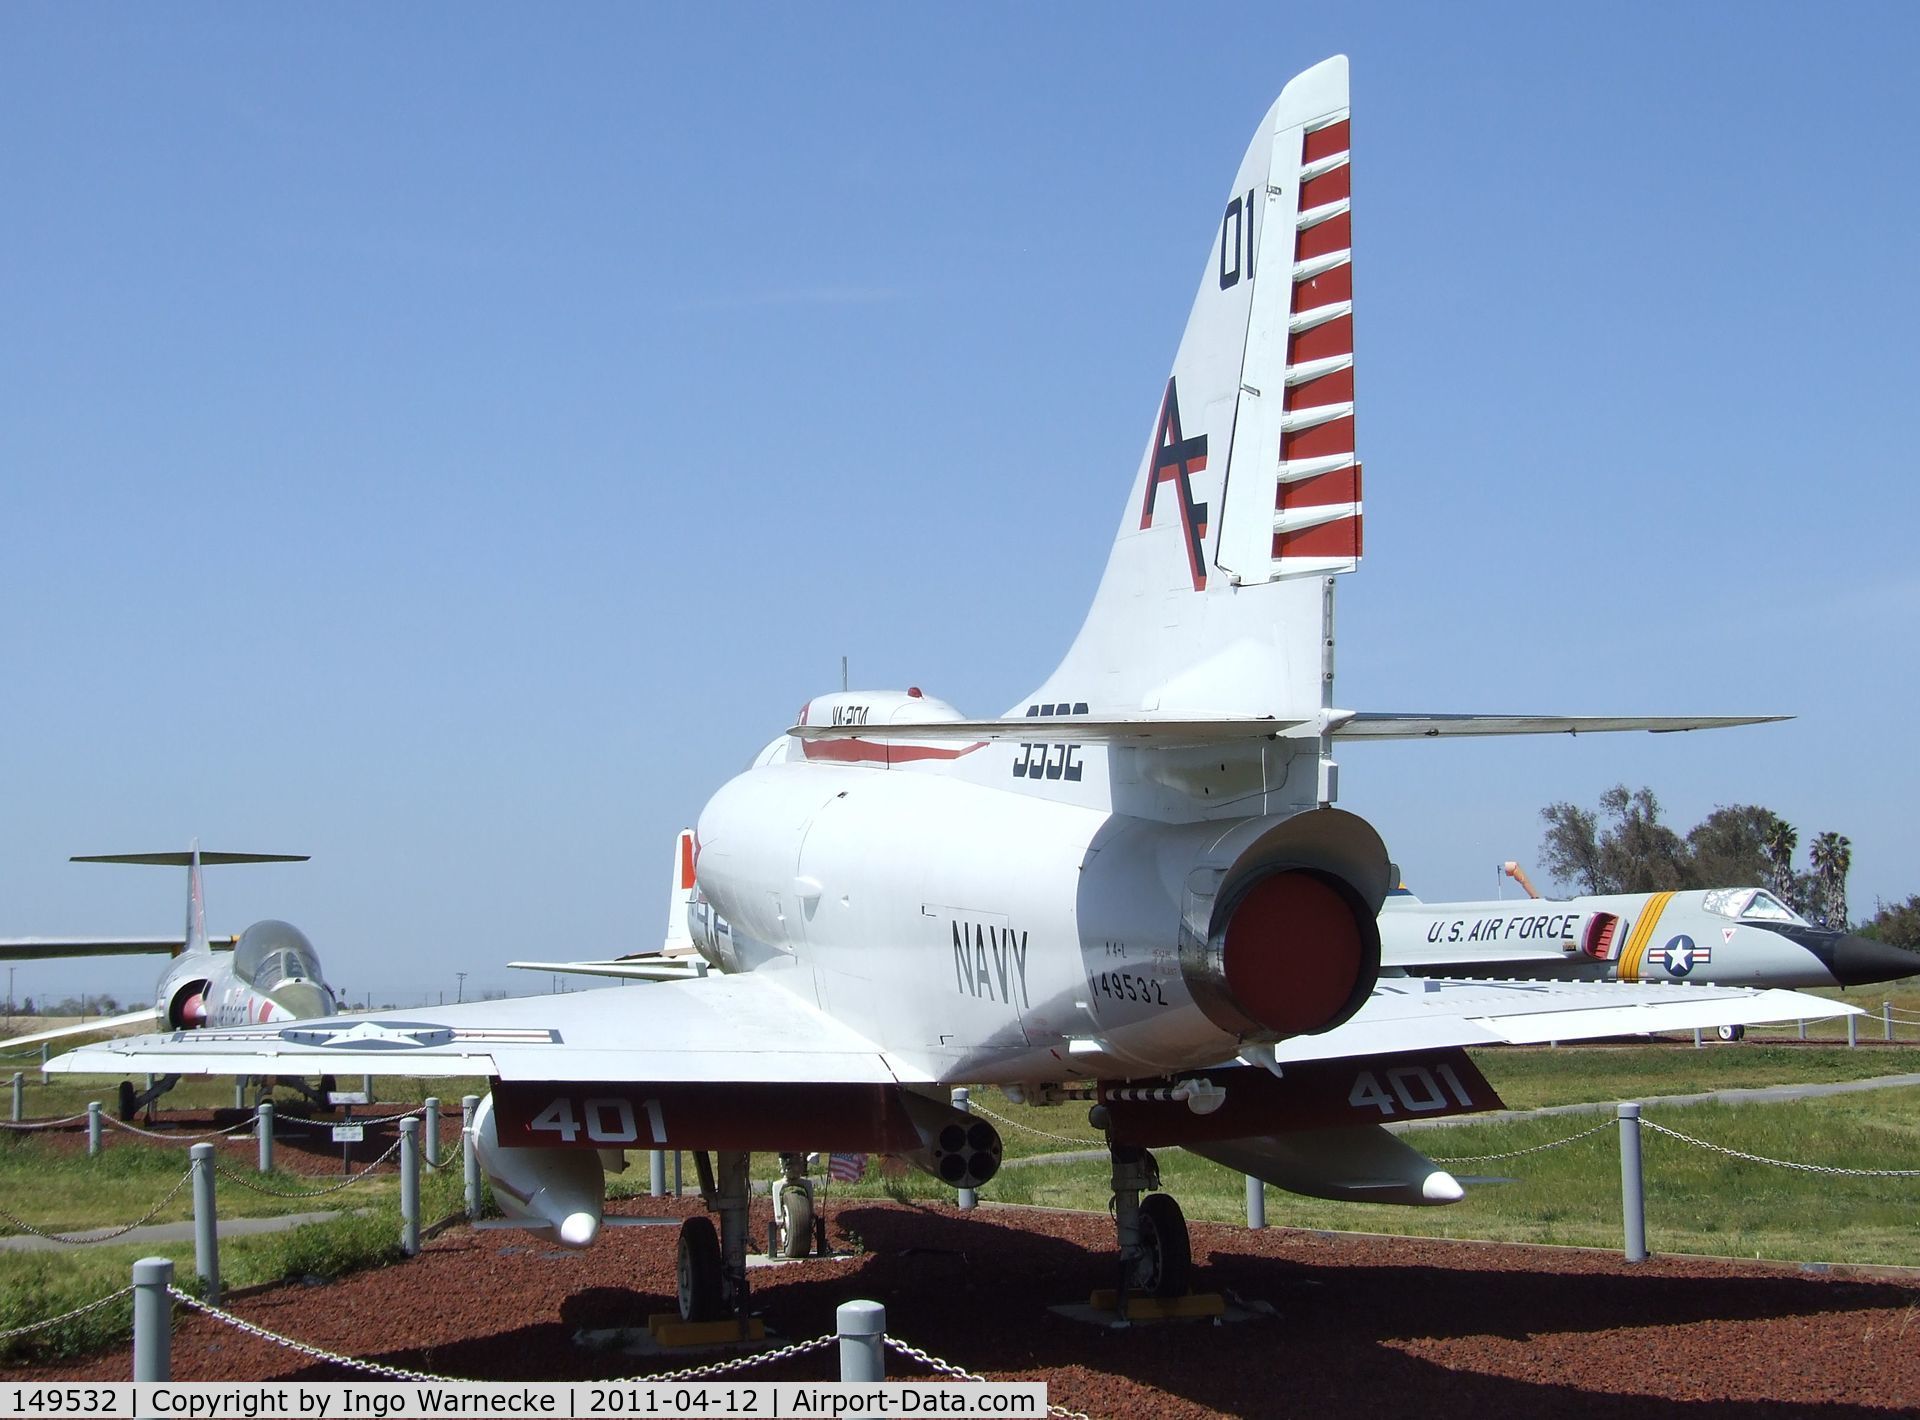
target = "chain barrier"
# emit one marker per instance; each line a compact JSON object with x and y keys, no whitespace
{"x":279,"y":1118}
{"x":738,"y":1363}
{"x":373,"y":1368}
{"x":1901,"y":1014}
{"x":1516,"y":1153}
{"x":246,"y":1123}
{"x":76,"y":1241}
{"x":43,"y":1123}
{"x":245,"y":1182}
{"x":1780,"y":1163}
{"x":73,"y":1315}
{"x":979,"y":1108}
{"x":947,"y":1368}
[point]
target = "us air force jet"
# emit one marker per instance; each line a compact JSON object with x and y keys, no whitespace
{"x":1722,"y":936}
{"x":270,"y":972}
{"x":1137,"y":877}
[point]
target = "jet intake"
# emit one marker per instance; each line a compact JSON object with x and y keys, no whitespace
{"x":186,"y":1009}
{"x":956,"y":1148}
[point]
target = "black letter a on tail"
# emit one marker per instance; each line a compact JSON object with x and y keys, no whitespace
{"x":1176,"y":459}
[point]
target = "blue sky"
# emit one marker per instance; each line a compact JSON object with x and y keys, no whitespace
{"x":450,"y":441}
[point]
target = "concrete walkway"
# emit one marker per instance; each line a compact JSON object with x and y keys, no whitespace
{"x":161,"y":1232}
{"x":1760,"y":1094}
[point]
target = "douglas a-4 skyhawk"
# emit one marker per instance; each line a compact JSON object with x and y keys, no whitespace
{"x":1136,"y":877}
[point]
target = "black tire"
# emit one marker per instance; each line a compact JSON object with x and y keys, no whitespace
{"x":699,"y":1271}
{"x":128,"y":1104}
{"x":1166,"y":1264}
{"x":1732,"y":1032}
{"x":797,"y":1239}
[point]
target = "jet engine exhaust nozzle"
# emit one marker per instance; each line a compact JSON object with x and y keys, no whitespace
{"x":1292,"y":951}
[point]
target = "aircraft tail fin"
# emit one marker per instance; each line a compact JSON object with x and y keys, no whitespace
{"x":1215,"y":598}
{"x":192,"y":860}
{"x":679,"y":940}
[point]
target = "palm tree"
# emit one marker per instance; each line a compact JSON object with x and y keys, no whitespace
{"x":1832,"y":856}
{"x":1782,"y":839}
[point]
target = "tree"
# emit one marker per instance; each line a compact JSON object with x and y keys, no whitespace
{"x":1832,"y":856}
{"x":1729,"y":847}
{"x":1897,"y":923}
{"x":1782,"y":839}
{"x":1635,"y":852}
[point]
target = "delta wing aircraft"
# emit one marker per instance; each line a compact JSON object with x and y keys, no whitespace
{"x":1722,"y":936}
{"x":267,"y":973}
{"x":1136,"y":878}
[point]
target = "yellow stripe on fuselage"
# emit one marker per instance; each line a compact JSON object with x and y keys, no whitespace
{"x":1642,"y":936}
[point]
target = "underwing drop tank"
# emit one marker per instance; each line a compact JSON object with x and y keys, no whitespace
{"x":564,"y":1190}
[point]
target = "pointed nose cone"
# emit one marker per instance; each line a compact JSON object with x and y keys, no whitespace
{"x":1861,"y":961}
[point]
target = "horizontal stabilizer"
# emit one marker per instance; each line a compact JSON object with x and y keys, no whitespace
{"x":657,"y":967}
{"x":53,"y":948}
{"x":185,"y":860}
{"x":94,"y":1027}
{"x":1164,"y":733}
{"x":1368,"y":725}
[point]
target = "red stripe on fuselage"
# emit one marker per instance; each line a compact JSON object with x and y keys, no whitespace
{"x":858,"y":751}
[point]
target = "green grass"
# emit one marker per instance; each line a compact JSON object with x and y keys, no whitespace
{"x":65,"y":1192}
{"x":1698,"y":1201}
{"x":1530,"y":1077}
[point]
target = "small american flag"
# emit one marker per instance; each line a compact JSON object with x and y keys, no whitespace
{"x":847,"y":1168}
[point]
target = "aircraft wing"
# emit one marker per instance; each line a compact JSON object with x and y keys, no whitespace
{"x":1416,"y":1013}
{"x":1144,"y":730}
{"x":1376,"y":725}
{"x":648,"y":968}
{"x":741,"y":1029}
{"x":132,"y":1018}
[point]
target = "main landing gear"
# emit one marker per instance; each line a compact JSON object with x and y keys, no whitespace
{"x":1156,"y":1259}
{"x":712,"y":1270}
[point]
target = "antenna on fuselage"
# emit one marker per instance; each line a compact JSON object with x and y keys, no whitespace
{"x":843,"y":675}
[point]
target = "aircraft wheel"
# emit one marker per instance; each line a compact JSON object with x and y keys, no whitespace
{"x":1166,"y":1264}
{"x":699,"y":1271}
{"x":797,"y":1238}
{"x":129,"y":1105}
{"x":1732,"y":1032}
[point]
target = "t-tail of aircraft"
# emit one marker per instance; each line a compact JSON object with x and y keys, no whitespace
{"x":192,"y":860}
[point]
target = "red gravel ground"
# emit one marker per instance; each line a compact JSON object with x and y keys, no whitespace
{"x":1365,"y":1326}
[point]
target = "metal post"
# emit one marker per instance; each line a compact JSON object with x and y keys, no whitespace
{"x":657,"y":1173}
{"x":430,"y":1130}
{"x":1853,"y":1035}
{"x":410,"y":1186}
{"x":469,"y":1155}
{"x":1886,"y":1015}
{"x":962,"y":1102}
{"x":206,"y":1233}
{"x":43,"y":1062}
{"x":861,"y":1327}
{"x":263,"y":1131}
{"x":1256,"y":1203}
{"x":19,"y":1096}
{"x":1696,"y":1037}
{"x":152,"y":1319}
{"x":93,"y":1129}
{"x":676,"y":1173}
{"x":239,"y":1091}
{"x":1633,"y":1196}
{"x":366,"y":1087}
{"x":1803,"y":1030}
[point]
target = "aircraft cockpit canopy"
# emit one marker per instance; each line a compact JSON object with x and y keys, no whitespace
{"x":1749,"y":905}
{"x":269,"y":953}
